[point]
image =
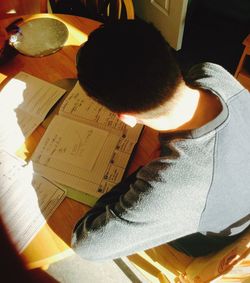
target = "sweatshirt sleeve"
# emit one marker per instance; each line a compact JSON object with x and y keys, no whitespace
{"x":133,"y":216}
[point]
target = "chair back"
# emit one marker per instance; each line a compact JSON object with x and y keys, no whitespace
{"x":165,"y":264}
{"x":99,"y":10}
{"x":106,"y":10}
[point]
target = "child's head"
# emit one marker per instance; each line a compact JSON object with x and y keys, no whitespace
{"x":128,"y":67}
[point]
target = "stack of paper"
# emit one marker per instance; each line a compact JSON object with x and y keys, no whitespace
{"x":26,"y":199}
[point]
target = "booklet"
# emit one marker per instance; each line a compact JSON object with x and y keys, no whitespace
{"x":86,"y":147}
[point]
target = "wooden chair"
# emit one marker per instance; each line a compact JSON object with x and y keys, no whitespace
{"x":105,"y":10}
{"x":165,"y":264}
{"x":119,"y":9}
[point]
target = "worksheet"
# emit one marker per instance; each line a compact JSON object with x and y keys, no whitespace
{"x":24,"y":103}
{"x":78,"y":155}
{"x":27,"y":200}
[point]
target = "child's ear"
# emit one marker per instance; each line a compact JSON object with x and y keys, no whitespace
{"x":130,"y":120}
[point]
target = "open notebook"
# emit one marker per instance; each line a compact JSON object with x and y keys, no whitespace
{"x":86,"y":148}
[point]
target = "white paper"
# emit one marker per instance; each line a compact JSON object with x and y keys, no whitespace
{"x":26,"y":199}
{"x":60,"y":158}
{"x":72,"y":142}
{"x":53,"y":159}
{"x":79,"y":106}
{"x":106,"y":172}
{"x":24,"y":103}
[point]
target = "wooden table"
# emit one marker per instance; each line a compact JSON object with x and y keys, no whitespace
{"x":53,"y":241}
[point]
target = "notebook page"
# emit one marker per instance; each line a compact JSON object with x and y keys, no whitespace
{"x":26,"y":200}
{"x":96,"y":174}
{"x":24,"y":103}
{"x":79,"y":106}
{"x":70,"y":142}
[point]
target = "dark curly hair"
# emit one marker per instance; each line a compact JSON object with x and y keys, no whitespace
{"x":128,"y":67}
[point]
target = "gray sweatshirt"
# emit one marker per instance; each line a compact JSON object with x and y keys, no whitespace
{"x":200,"y":182}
